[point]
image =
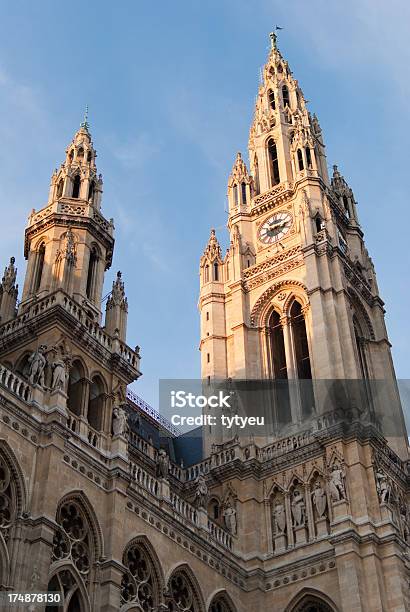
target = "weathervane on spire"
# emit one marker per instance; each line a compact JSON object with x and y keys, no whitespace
{"x":84,"y":124}
{"x":273,"y":37}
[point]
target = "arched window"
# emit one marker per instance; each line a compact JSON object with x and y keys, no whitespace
{"x":285,"y":96}
{"x":235,"y":195}
{"x":277,"y":347}
{"x":75,"y":389}
{"x":308,"y":157}
{"x":311,"y":603}
{"x":272,"y":102}
{"x":140,"y":584}
{"x":216,"y":271}
{"x":76,"y":186}
{"x":360,"y":342}
{"x":256,"y":177}
{"x":274,"y":162}
{"x":300,"y":341}
{"x":80,"y":154}
{"x":214,"y":509}
{"x":89,"y":157}
{"x":96,"y":403}
{"x":300,"y":160}
{"x":221,"y":604}
{"x":182,"y":594}
{"x":91,"y":190}
{"x":346,"y":205}
{"x":319,"y":223}
{"x":39,"y":267}
{"x":65,"y":583}
{"x":92,"y":273}
{"x":243,"y":185}
{"x":206,"y":274}
{"x":71,"y":155}
{"x":60,"y":187}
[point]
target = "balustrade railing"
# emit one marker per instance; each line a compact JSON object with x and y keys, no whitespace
{"x":220,"y":535}
{"x":145,"y":480}
{"x":59,"y":298}
{"x":184,"y":508}
{"x":12,"y":382}
{"x":284,"y":445}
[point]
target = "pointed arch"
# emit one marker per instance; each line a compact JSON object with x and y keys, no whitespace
{"x":93,"y":260}
{"x":273,"y":162}
{"x":64,"y":578}
{"x":262,"y":307}
{"x":17,"y":476}
{"x":143,"y":579}
{"x":76,"y":186}
{"x":183,"y":586}
{"x":362,"y":315}
{"x":221,"y":601}
{"x":311,"y":600}
{"x":79,"y":497}
{"x":13,"y":496}
{"x":39,"y":266}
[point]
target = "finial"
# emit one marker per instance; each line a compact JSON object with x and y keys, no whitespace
{"x":273,"y":37}
{"x":84,"y":124}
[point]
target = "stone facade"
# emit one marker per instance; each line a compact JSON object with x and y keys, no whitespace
{"x":93,"y":502}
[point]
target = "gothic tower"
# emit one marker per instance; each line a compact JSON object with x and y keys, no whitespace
{"x":295,"y":296}
{"x":55,"y":339}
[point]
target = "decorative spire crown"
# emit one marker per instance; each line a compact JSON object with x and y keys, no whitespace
{"x":8,"y":281}
{"x":213,"y":250}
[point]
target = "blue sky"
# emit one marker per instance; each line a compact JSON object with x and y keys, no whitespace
{"x":170,"y":86}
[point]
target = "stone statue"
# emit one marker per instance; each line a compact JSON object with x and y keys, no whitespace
{"x":37,"y":363}
{"x":60,"y":374}
{"x":70,"y":254}
{"x":229,"y":515}
{"x":298,"y":508}
{"x":119,"y":395}
{"x":336,"y":483}
{"x":279,"y":517}
{"x":119,"y":421}
{"x":319,"y":499}
{"x":162,"y":464}
{"x":201,"y":493}
{"x":383,"y":487}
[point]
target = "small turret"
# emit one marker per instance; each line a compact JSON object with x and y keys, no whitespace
{"x":8,"y":293}
{"x":239,"y":186}
{"x":344,"y":194}
{"x":117,"y":310}
{"x":211,"y":264}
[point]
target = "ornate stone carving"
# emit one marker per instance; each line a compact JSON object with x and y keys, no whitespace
{"x":138,"y":584}
{"x":9,"y":278}
{"x":337,"y":487}
{"x":72,"y":540}
{"x":162,"y":464}
{"x":201,"y":492}
{"x":119,"y":421}
{"x":383,"y":487}
{"x":279,"y":517}
{"x":181,"y":597}
{"x":230,"y":520}
{"x":37,"y":363}
{"x":298,"y":508}
{"x":319,"y":499}
{"x":6,"y":499}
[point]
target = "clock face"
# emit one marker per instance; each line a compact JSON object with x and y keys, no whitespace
{"x":275,"y":227}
